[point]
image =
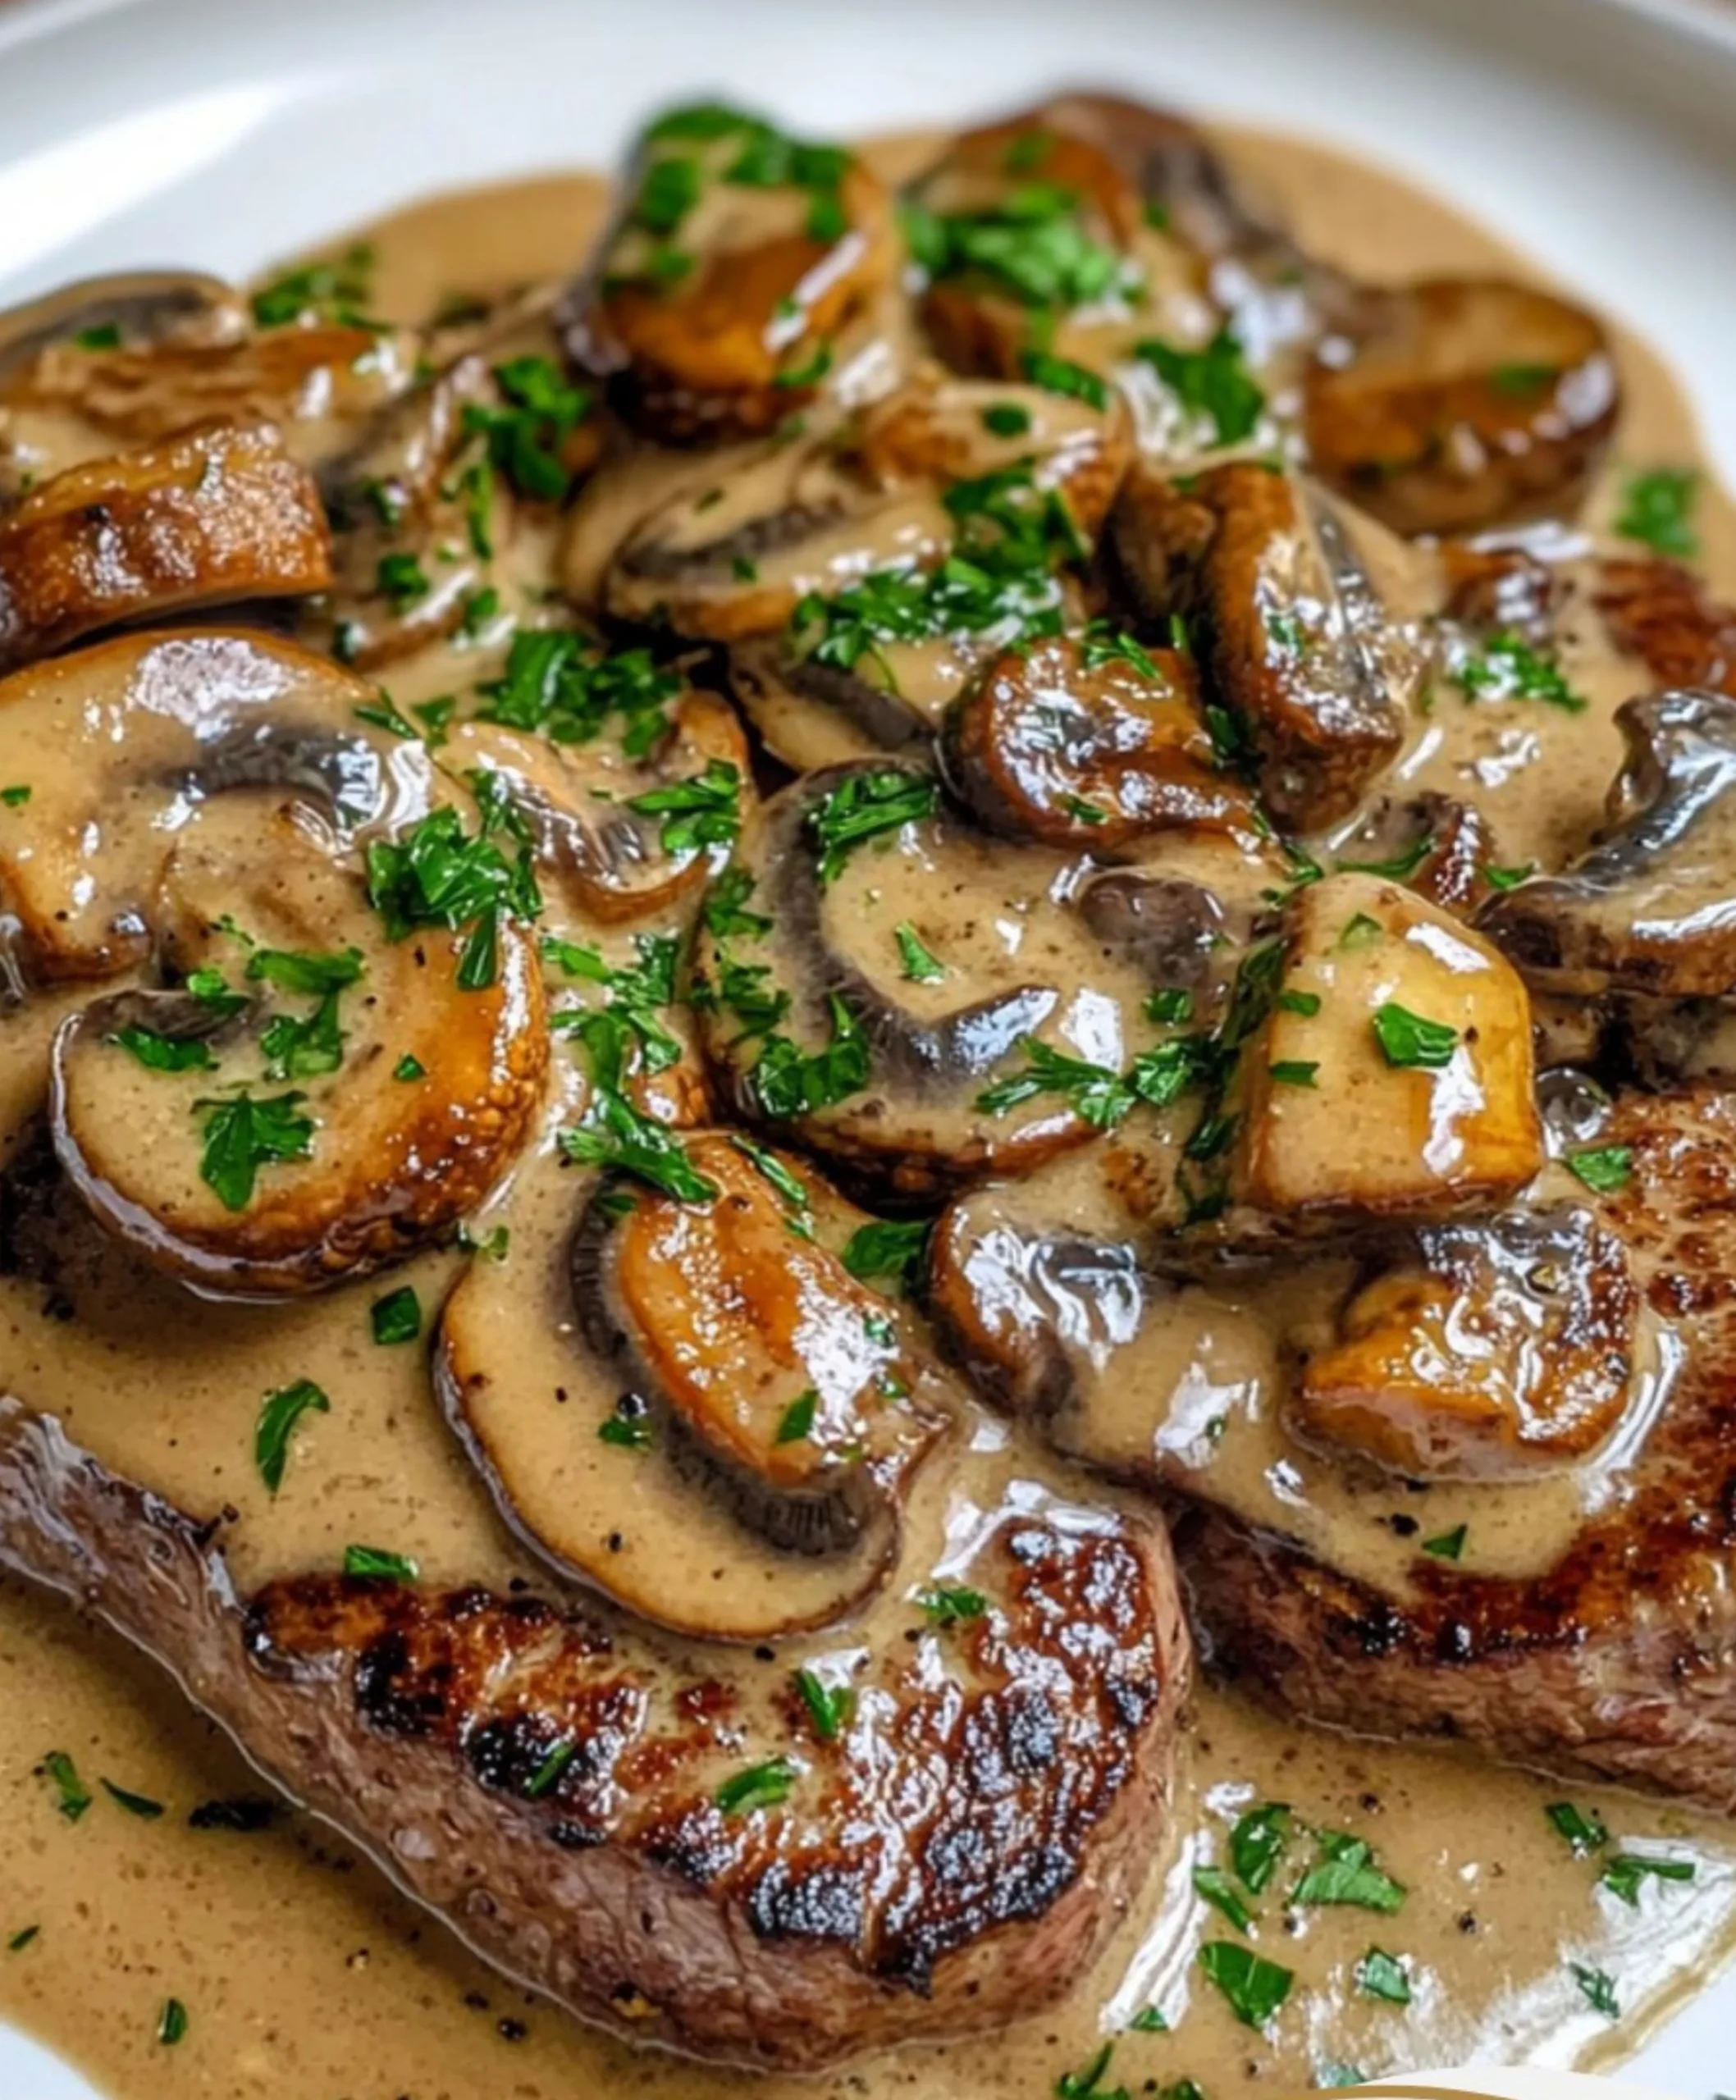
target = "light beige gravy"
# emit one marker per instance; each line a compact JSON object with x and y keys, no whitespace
{"x":304,"y":1975}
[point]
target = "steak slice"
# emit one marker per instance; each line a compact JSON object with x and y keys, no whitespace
{"x":1619,"y":1663}
{"x":678,"y":1844}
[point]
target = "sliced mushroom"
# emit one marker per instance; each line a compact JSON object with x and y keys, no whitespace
{"x":906,"y":960}
{"x":1390,"y":1073}
{"x":694,"y":1405}
{"x":217,"y":515}
{"x":313,"y":1139}
{"x":613,"y":862}
{"x":317,"y":384}
{"x":737,"y":258}
{"x":1083,"y":743}
{"x":1459,"y":403}
{"x":131,"y":308}
{"x":1435,"y":844}
{"x":732,"y":555}
{"x":1481,"y":1351}
{"x":1294,"y":641}
{"x":1649,"y":909}
{"x":1026,"y":235}
{"x":118,"y":742}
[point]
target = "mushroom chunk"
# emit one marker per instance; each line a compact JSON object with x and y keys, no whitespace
{"x":619,"y":833}
{"x":117,"y":743}
{"x":737,"y":258}
{"x":1435,"y":844}
{"x":355,"y":1098}
{"x":1390,"y":1073}
{"x":130,"y":308}
{"x":1663,"y":614}
{"x":1025,"y":235}
{"x":690,"y":1402}
{"x":1460,"y":403}
{"x":1089,"y":743}
{"x":1649,"y":909}
{"x":1492,"y":1351}
{"x":217,"y":515}
{"x":897,"y":974}
{"x":730,"y":556}
{"x":1293,"y":638}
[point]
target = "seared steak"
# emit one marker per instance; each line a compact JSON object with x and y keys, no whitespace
{"x":1620,"y":1662}
{"x":682,"y":1849}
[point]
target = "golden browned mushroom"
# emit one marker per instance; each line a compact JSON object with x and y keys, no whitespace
{"x":203,"y":802}
{"x":1389,"y":1074}
{"x":1025,"y":235}
{"x":623,"y":828}
{"x":366,"y":1097}
{"x":129,"y":309}
{"x":737,"y":259}
{"x":1648,"y":909}
{"x":906,"y":995}
{"x":1293,"y":639}
{"x":679,"y":1393}
{"x":1459,"y":403}
{"x":219,"y":514}
{"x":1483,"y":1352}
{"x":1090,"y":741}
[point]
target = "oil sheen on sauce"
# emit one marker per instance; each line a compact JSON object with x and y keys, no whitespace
{"x":302,"y":1972}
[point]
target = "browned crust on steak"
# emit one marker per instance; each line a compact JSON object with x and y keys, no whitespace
{"x":953,"y":1862}
{"x":1619,"y":1663}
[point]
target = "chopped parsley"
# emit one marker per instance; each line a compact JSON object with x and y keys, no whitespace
{"x":279,"y":1413}
{"x":761,"y":1786}
{"x":171,"y":2023}
{"x":615,"y":1133}
{"x":628,"y":1429}
{"x":1584,"y":1833}
{"x":1214,"y":382}
{"x":1213,"y":1885}
{"x":1171,"y":1007}
{"x":1599,"y":1988}
{"x":1506,"y":879}
{"x":244,"y":1132}
{"x":401,"y":581}
{"x":948,"y":1604}
{"x":830,"y":1707}
{"x":704,"y":810}
{"x":724,"y":913}
{"x":1409,"y":1041}
{"x":866,"y":806}
{"x":528,"y":435}
{"x":635,"y":991}
{"x":410,"y":1068}
{"x":1657,"y":510}
{"x":74,"y":1797}
{"x":566,"y":686}
{"x":1094,"y":1093}
{"x":334,"y":290}
{"x":370,"y":1563}
{"x":1381,"y":1975}
{"x":15,"y":797}
{"x":396,"y":1317}
{"x":21,"y":1940}
{"x":1624,"y":1874}
{"x":1307,"y":1004}
{"x":164,"y":1053}
{"x":1293,"y":1071}
{"x":788,"y":1185}
{"x":1062,"y":376}
{"x":435,"y":875}
{"x":796,"y":1423}
{"x":789,"y":1082}
{"x":1031,"y":247}
{"x":1510,"y":669}
{"x":139,"y":1805}
{"x":1254,"y":1988}
{"x":1603,"y":1169}
{"x":887,"y":1249}
{"x":546,"y":1777}
{"x":1450,"y":1545}
{"x":1005,"y":419}
{"x":921,"y":965}
{"x":1345,"y":1872}
{"x":1257,"y":1844}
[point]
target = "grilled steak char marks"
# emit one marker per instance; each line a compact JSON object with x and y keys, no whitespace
{"x":1620,"y":1661}
{"x":948,"y":1863}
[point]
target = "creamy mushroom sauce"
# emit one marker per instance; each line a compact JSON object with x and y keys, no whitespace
{"x":301,"y":1971}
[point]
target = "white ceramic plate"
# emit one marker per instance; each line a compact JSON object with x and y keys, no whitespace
{"x":1600,"y":135}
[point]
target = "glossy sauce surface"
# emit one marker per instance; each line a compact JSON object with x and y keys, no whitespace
{"x":302,"y":1973}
